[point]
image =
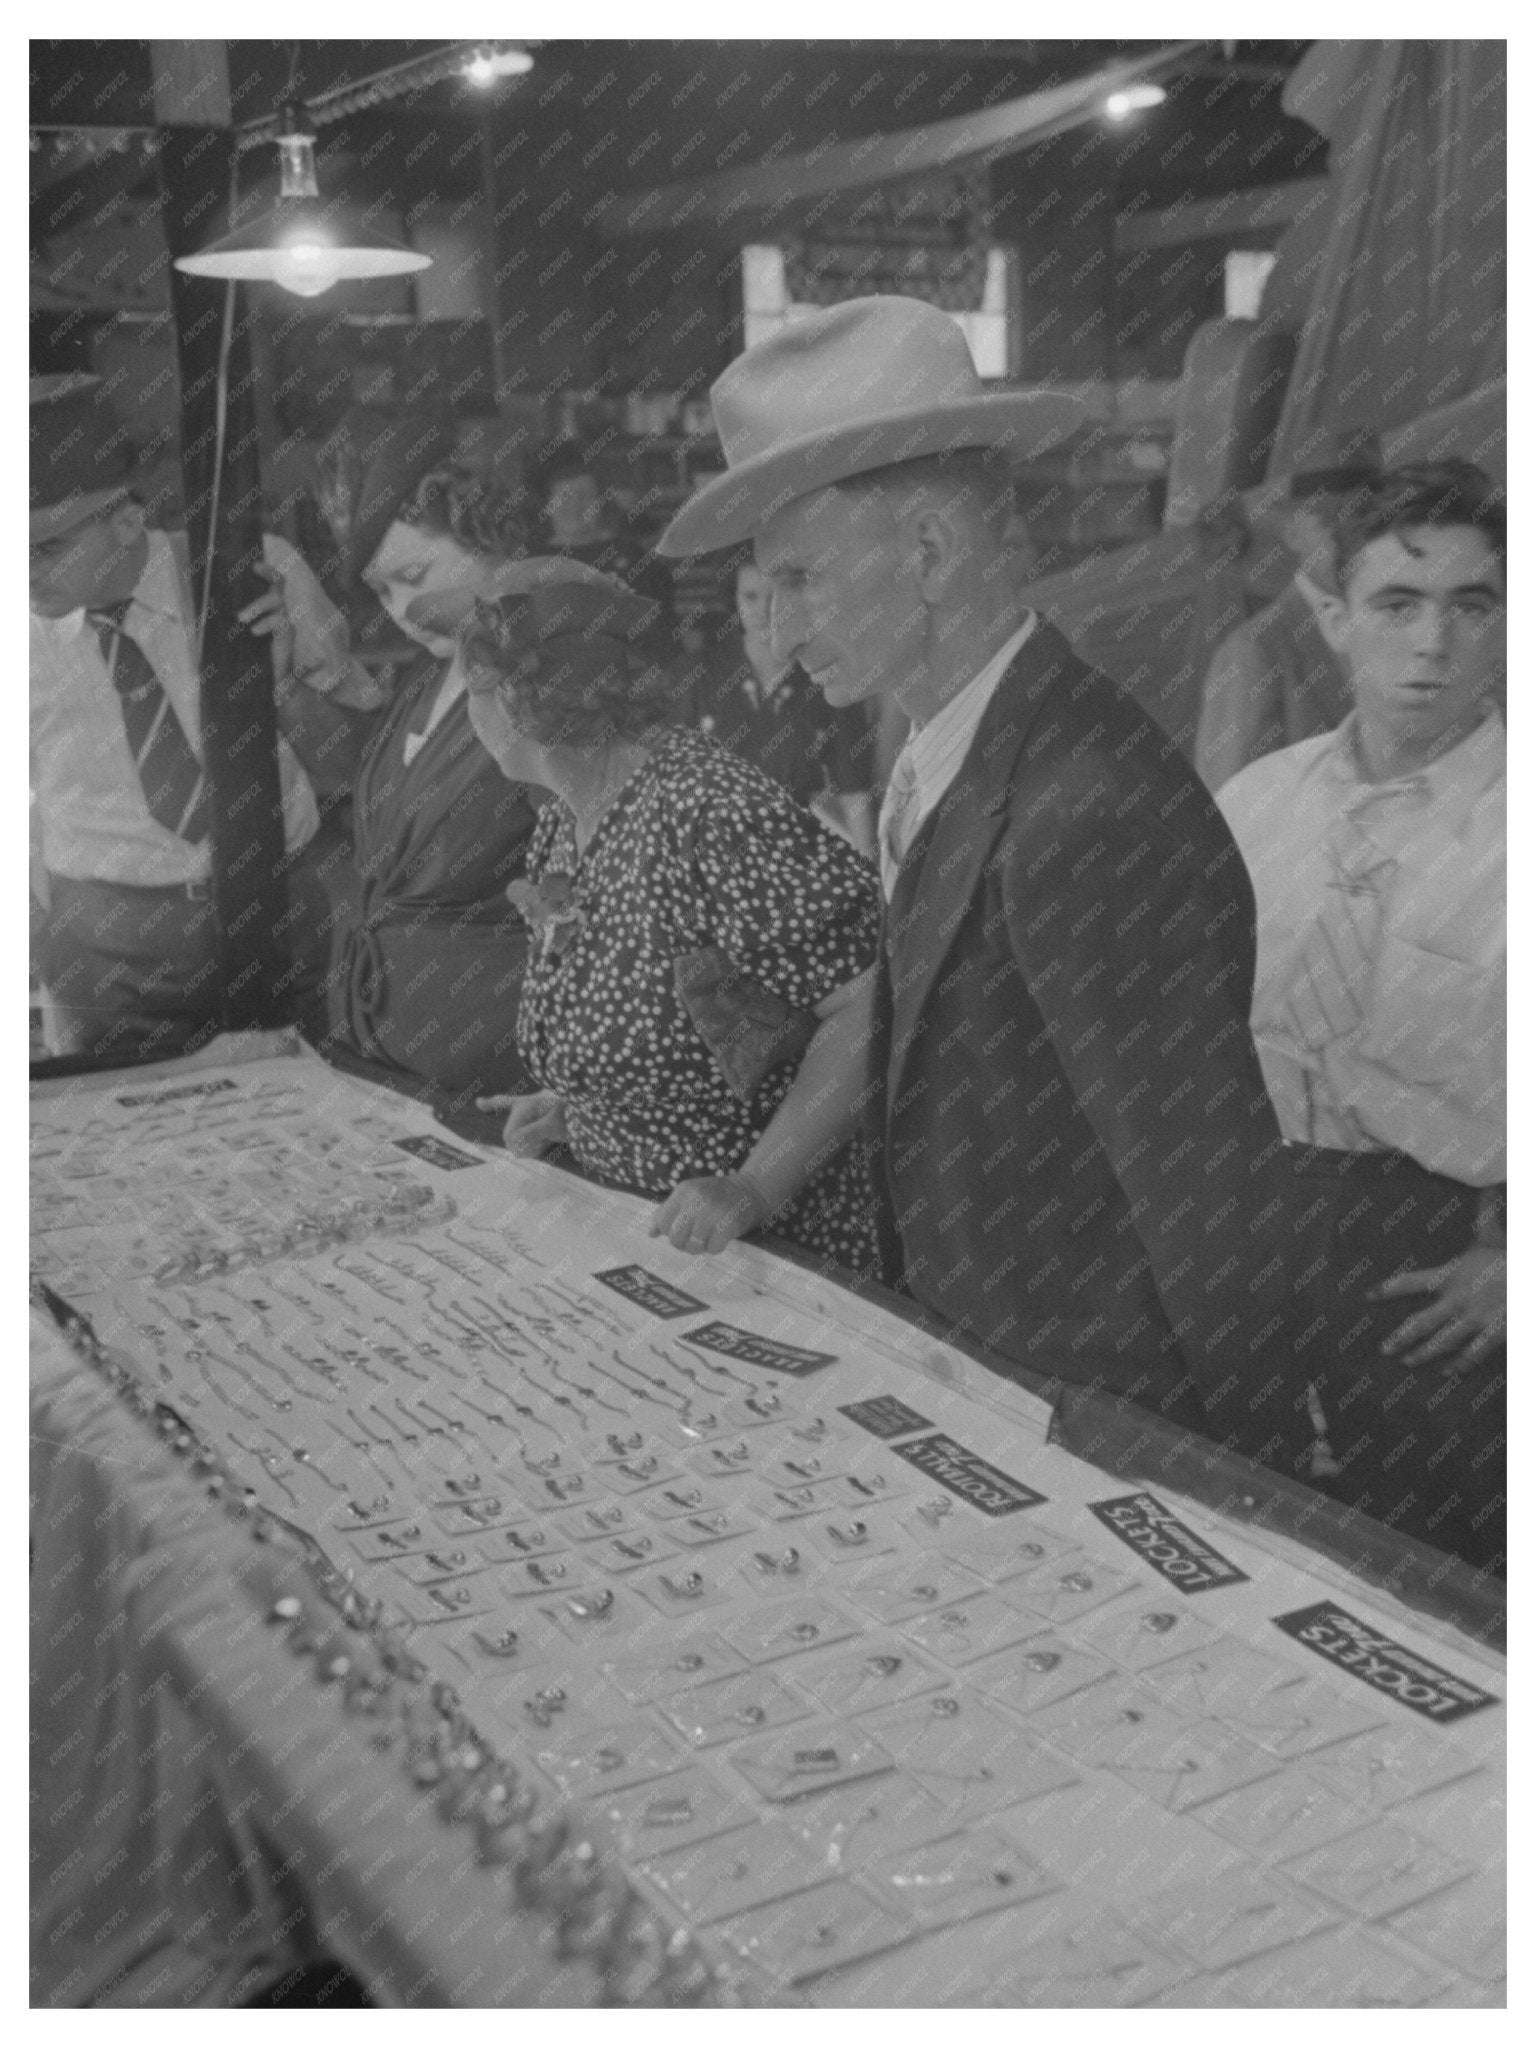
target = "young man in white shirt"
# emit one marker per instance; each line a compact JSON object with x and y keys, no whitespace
{"x":121,"y":876}
{"x":1377,"y":858}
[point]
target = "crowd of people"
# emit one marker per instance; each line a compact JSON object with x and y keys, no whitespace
{"x":1178,"y":1080}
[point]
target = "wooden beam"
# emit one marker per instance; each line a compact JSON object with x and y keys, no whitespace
{"x":1254,"y":209}
{"x":223,"y":499}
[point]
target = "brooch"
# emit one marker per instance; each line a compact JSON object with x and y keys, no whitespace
{"x":551,"y":911}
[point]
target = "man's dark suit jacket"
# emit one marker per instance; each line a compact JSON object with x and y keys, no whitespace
{"x":1078,"y":1149}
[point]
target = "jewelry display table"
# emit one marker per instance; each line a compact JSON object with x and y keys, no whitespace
{"x":433,"y":1571}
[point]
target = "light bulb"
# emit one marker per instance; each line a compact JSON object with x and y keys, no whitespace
{"x":488,"y":67}
{"x":1132,"y":98}
{"x":306,"y":267}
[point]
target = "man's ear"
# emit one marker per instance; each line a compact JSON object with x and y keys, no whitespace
{"x":939,"y":542}
{"x":128,"y":521}
{"x":1333,"y":621}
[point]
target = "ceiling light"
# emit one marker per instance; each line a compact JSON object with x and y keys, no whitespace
{"x":491,"y":63}
{"x":304,"y":244}
{"x":1132,"y":98}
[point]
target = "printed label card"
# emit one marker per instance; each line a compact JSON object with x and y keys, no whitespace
{"x":885,"y":1416}
{"x":1378,"y":1870}
{"x":683,"y":1807}
{"x":1040,"y":1671}
{"x":766,"y":1353}
{"x":649,"y":1291}
{"x":784,"y":1631}
{"x":876,"y":1674}
{"x":1388,"y":1667}
{"x":729,"y":1708}
{"x":958,"y":1877}
{"x":799,"y":1938}
{"x":966,"y":1475}
{"x":810,"y":1758}
{"x":1173,"y":1550}
{"x":970,"y":1628}
{"x":606,"y":1759}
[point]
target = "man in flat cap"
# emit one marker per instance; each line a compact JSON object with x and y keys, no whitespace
{"x":1077,"y":1144}
{"x":122,"y":820}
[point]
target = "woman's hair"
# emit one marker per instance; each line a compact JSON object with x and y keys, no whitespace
{"x":569,"y":667}
{"x":452,"y":500}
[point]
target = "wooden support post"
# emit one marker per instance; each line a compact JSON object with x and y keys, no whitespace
{"x":224,"y":518}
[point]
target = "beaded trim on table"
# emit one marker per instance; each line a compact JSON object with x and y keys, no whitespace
{"x":555,"y":1869}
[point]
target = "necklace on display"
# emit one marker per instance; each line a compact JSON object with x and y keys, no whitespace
{"x":303,"y":1457}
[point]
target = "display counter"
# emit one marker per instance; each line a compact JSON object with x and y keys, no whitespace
{"x":435,"y":1572}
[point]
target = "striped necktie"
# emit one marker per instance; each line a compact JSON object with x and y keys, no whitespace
{"x":1327,"y":999}
{"x":169,"y":771}
{"x":897,"y":814}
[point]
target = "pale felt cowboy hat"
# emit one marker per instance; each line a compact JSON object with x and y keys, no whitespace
{"x":860,"y":386}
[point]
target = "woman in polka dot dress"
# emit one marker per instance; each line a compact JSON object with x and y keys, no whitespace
{"x":662,"y":843}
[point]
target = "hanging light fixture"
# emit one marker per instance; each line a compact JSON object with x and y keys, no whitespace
{"x":304,"y":244}
{"x":492,"y":62}
{"x":1132,"y":99}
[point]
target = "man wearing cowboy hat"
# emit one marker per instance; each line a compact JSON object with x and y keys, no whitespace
{"x":121,"y":883}
{"x":1075,"y":1134}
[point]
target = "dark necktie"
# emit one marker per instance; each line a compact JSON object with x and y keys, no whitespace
{"x":169,"y":771}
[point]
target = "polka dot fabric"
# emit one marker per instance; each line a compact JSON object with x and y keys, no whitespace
{"x":700,"y":849}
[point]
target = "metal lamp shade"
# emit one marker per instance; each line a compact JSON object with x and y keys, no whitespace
{"x":305,"y":247}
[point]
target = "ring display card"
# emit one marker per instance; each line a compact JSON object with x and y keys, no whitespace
{"x":852,"y":1667}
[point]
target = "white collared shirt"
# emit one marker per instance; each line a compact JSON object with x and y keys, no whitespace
{"x":1415,"y":1062}
{"x":933,"y":757}
{"x":94,"y":823}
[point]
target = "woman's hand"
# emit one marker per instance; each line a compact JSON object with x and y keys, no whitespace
{"x":1466,"y":1319}
{"x":268,"y":619}
{"x":706,"y":1214}
{"x":535,"y":1123}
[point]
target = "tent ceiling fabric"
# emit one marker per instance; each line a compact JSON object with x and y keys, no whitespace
{"x":759,"y":196}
